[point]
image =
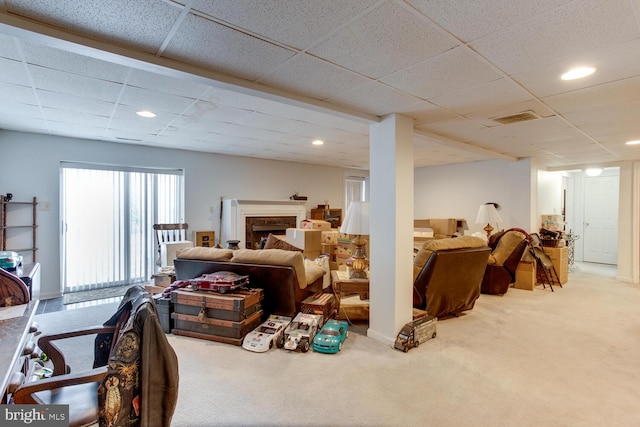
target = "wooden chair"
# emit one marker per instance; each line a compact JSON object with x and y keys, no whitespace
{"x":146,"y":370}
{"x":166,"y":233}
{"x":13,"y":290}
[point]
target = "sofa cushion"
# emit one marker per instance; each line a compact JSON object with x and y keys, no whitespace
{"x":205,"y":254}
{"x":431,"y":246}
{"x":274,"y":257}
{"x":273,"y":242}
{"x":505,"y":247}
{"x":312,"y":270}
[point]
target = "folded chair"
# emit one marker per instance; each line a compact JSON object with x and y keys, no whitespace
{"x":134,"y":380}
{"x":545,"y":271}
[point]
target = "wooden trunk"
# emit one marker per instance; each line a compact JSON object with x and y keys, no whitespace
{"x":234,"y":306}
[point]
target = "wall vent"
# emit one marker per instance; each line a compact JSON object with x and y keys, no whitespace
{"x":515,"y":118}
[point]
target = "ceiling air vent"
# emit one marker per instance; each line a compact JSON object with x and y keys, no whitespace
{"x":515,"y":118}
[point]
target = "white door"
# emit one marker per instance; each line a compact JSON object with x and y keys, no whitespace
{"x":601,"y":219}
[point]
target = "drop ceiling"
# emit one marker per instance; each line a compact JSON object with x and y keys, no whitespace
{"x":265,"y":78}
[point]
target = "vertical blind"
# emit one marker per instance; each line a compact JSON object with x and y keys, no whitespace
{"x":108,"y":214}
{"x":355,"y":190}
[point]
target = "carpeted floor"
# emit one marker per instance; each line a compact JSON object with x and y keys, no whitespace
{"x":528,"y":358}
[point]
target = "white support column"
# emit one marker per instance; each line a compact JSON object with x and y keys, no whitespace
{"x":391,"y":227}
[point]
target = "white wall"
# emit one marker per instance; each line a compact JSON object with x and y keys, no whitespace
{"x":549,"y":193}
{"x":457,"y":191}
{"x":30,"y":167}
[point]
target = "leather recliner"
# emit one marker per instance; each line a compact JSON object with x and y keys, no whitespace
{"x":507,"y":249}
{"x":448,"y":273}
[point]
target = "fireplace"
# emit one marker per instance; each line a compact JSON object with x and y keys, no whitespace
{"x":250,"y":220}
{"x":258,"y":227}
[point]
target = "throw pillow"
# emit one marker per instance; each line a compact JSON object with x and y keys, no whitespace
{"x":312,"y":270}
{"x":274,"y":242}
{"x":505,"y":247}
{"x":205,"y":254}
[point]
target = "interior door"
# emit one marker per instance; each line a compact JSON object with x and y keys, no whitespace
{"x":601,"y":219}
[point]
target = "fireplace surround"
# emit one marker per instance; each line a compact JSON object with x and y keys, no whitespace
{"x":250,"y":220}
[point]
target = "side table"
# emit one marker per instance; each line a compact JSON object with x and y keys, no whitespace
{"x":350,"y":307}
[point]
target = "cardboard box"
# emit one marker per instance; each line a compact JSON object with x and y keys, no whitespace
{"x":526,"y":276}
{"x":204,"y":238}
{"x":330,"y":236}
{"x":305,"y":239}
{"x":315,"y":224}
{"x":168,"y":251}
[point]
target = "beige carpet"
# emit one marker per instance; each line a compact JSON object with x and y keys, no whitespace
{"x":529,"y":358}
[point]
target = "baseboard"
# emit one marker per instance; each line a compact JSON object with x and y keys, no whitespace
{"x":44,"y":296}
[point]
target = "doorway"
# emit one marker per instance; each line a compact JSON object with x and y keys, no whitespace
{"x":107,"y":215}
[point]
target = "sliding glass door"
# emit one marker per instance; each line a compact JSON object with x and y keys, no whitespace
{"x":108,"y":214}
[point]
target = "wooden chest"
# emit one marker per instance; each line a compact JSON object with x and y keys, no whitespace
{"x":215,"y":329}
{"x":320,"y":303}
{"x":235,"y":306}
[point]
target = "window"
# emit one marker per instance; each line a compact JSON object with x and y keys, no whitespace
{"x":355,"y":189}
{"x":108,"y":214}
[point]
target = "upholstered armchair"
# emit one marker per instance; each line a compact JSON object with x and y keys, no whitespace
{"x":448,"y":273}
{"x":507,"y":248}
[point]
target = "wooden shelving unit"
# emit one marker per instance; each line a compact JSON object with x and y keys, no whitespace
{"x":13,"y":208}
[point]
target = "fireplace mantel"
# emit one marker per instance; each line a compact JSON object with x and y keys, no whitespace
{"x":235,"y":212}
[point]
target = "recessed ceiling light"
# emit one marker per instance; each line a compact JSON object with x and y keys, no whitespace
{"x":318,"y":142}
{"x":636,"y":142}
{"x":578,"y":73}
{"x":146,"y":113}
{"x":593,"y":171}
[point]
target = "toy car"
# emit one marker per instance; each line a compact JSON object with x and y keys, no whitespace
{"x":220,"y":281}
{"x":10,"y":260}
{"x":331,"y":336}
{"x":270,"y":331}
{"x":300,"y":332}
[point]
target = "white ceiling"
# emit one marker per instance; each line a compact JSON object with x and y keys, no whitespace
{"x":265,"y":78}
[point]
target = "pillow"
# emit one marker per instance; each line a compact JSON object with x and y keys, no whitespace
{"x":205,"y":254}
{"x":274,"y":242}
{"x":505,"y":247}
{"x":274,"y":257}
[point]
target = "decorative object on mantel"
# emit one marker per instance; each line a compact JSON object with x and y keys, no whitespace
{"x":487,"y":214}
{"x":357,"y":223}
{"x":297,"y":197}
{"x":233,"y":244}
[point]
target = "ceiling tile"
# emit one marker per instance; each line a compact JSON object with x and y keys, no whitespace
{"x":72,"y":84}
{"x":497,"y":93}
{"x":306,"y":75}
{"x":610,"y":93}
{"x":613,"y":113}
{"x":155,"y":101}
{"x":471,"y":19}
{"x":191,"y":44}
{"x":75,"y":103}
{"x":8,"y":48}
{"x":440,"y":74}
{"x":174,"y":86}
{"x":209,"y":111}
{"x":75,"y":118}
{"x":18,"y":93}
{"x":383,"y":41}
{"x":140,"y":24}
{"x":57,"y":59}
{"x":298,"y":24}
{"x":559,"y":34}
{"x":487,"y":115}
{"x":366,"y":98}
{"x":13,"y":72}
{"x":613,"y":63}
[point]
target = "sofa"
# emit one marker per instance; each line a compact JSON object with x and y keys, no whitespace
{"x":286,"y":276}
{"x":448,"y":273}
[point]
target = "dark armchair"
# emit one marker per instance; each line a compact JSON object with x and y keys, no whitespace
{"x":448,"y":273}
{"x":135,"y":376}
{"x":507,"y":248}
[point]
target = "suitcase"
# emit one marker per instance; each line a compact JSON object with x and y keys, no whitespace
{"x":215,"y":329}
{"x":235,"y":306}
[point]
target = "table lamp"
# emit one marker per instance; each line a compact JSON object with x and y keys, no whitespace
{"x":356,"y":223}
{"x":487,"y":214}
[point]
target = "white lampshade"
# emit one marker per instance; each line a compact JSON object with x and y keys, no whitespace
{"x":357,"y":219}
{"x":487,"y":214}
